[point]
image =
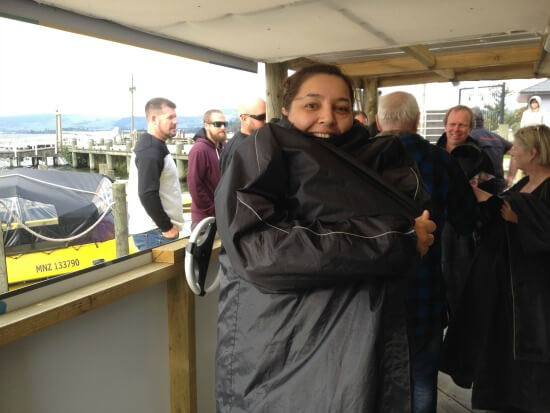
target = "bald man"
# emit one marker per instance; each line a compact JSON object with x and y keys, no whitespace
{"x":252,"y":116}
{"x":453,"y":201}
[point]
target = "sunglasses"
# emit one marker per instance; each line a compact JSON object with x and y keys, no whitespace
{"x":260,"y":117}
{"x":218,"y":124}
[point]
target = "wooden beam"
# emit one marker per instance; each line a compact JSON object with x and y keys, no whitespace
{"x":447,"y":74}
{"x":543,"y":54}
{"x":3,"y":266}
{"x":171,"y":253}
{"x":370,"y":98}
{"x":410,"y":79}
{"x":421,"y":53}
{"x":445,"y":61}
{"x":181,"y":339}
{"x":25,"y":321}
{"x":382,"y":67}
{"x":297,"y":64}
{"x":275,"y":75}
{"x":520,"y":71}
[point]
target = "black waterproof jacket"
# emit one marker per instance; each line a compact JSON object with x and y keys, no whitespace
{"x":311,"y":311}
{"x":499,"y":339}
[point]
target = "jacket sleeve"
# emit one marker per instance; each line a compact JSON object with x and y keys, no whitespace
{"x":197,"y":175}
{"x":149,"y":171}
{"x":533,"y":227}
{"x":271,"y":248}
{"x":463,"y":209}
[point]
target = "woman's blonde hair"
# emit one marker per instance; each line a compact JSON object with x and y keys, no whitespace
{"x":538,"y":137}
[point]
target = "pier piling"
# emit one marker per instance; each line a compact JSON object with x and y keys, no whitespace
{"x":3,"y":267}
{"x":121,"y":219}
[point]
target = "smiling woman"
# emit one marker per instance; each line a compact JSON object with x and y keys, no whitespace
{"x":317,"y":247}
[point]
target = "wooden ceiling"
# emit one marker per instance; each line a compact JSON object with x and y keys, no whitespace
{"x":492,"y":57}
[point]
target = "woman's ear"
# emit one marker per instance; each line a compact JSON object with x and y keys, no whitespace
{"x":285,"y":112}
{"x":533,"y":154}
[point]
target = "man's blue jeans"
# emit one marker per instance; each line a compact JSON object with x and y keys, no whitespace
{"x":150,"y":239}
{"x":424,"y":376}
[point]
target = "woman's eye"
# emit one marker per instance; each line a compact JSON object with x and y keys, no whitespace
{"x":311,"y":105}
{"x":343,"y":109}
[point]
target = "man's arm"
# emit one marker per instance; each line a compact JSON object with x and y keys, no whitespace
{"x":196,"y":176}
{"x":149,"y":170}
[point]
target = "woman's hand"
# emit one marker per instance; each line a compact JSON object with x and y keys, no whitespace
{"x":508,"y":213}
{"x":424,"y":228}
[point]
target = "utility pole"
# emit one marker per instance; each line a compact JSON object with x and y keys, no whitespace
{"x":132,"y":90}
{"x":502,"y":98}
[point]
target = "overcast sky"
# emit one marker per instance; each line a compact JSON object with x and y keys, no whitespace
{"x":43,"y":69}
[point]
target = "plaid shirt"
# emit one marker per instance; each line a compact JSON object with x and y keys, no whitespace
{"x":452,"y":200}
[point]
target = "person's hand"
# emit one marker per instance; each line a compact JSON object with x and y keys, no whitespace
{"x":508,"y":213}
{"x":171,"y":233}
{"x":424,"y":228}
{"x":480,"y":194}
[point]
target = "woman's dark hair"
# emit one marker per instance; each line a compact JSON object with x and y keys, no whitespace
{"x":293,"y":83}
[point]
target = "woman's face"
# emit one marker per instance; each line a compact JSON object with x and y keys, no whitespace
{"x":322,"y":107}
{"x":534,"y":105}
{"x":523,"y":156}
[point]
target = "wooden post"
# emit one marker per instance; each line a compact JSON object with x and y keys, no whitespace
{"x":370,"y":98}
{"x":275,"y":75}
{"x":3,"y":267}
{"x":129,"y":157}
{"x":181,"y":336}
{"x":180,"y":162}
{"x":121,"y":219}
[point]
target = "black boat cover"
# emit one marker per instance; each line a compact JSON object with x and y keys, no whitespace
{"x":53,"y":203}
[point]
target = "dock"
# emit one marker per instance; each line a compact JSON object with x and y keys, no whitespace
{"x":105,"y":155}
{"x":36,"y":152}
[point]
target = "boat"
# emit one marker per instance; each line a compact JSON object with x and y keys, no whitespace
{"x":55,"y":221}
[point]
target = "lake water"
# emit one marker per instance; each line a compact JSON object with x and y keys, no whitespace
{"x":12,"y":141}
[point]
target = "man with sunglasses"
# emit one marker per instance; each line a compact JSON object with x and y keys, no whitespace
{"x":204,"y":167}
{"x":252,"y":116}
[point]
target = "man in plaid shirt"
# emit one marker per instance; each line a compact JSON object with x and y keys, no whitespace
{"x":452,"y":200}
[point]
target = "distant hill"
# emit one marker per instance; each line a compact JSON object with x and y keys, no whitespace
{"x":42,"y":123}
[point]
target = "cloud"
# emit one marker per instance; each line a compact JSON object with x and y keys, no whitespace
{"x":45,"y":70}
